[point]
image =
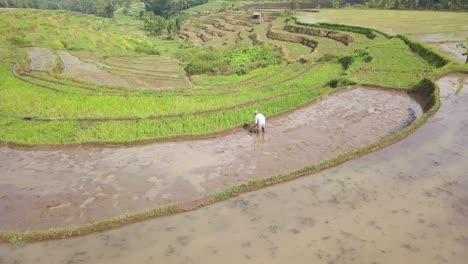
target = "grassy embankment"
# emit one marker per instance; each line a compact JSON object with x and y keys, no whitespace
{"x":394,"y":21}
{"x":73,"y":112}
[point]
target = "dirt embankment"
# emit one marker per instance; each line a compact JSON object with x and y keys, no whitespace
{"x":291,"y":38}
{"x":218,"y":25}
{"x":338,"y":36}
{"x":42,"y":59}
{"x":131,"y":73}
{"x":308,"y":5}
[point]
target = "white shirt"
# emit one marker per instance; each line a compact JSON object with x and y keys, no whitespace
{"x":260,"y":119}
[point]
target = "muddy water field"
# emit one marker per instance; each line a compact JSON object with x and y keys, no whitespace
{"x":147,"y":73}
{"x":449,"y":43}
{"x":57,"y":188}
{"x":406,"y":203}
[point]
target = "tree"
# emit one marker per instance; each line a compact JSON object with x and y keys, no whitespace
{"x":336,"y":3}
{"x":178,"y":22}
{"x":127,"y":4}
{"x":168,"y":8}
{"x":182,"y":5}
{"x":106,"y":8}
{"x":86,"y":6}
{"x":294,"y":5}
{"x":171,"y":28}
{"x":155,"y":25}
{"x":162,"y":8}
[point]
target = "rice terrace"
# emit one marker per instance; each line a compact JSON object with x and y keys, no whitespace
{"x":209,"y":131}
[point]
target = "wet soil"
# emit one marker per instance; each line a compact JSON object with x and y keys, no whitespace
{"x":447,"y":43}
{"x":406,"y":203}
{"x":42,"y":189}
{"x":42,"y":59}
{"x":90,"y":72}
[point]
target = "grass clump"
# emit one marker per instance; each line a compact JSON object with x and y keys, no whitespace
{"x":427,"y":53}
{"x":340,"y":82}
{"x":238,"y":60}
{"x":369,"y":33}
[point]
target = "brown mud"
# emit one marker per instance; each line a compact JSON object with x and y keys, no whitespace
{"x":448,"y":43}
{"x":42,"y":59}
{"x":406,"y":203}
{"x":56,"y":188}
{"x":90,"y":72}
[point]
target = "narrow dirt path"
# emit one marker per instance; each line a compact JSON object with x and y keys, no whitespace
{"x":406,"y":203}
{"x":42,"y":189}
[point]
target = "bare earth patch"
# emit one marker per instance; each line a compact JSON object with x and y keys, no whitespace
{"x":153,"y":75}
{"x":42,"y":59}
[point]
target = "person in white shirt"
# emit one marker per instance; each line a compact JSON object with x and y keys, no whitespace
{"x":260,"y":122}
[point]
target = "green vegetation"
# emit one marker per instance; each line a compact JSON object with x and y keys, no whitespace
{"x":430,"y":55}
{"x":104,"y":8}
{"x":369,"y":33}
{"x":157,"y":25}
{"x":239,"y":60}
{"x":230,"y":82}
{"x":393,"y":21}
{"x":405,"y":4}
{"x":168,"y":8}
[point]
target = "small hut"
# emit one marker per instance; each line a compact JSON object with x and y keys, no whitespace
{"x":257,"y":16}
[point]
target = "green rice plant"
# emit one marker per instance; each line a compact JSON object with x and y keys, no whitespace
{"x":429,"y":54}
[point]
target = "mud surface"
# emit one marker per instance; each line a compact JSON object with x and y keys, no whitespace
{"x":406,"y":203}
{"x":447,"y":43}
{"x":42,"y":59}
{"x":41,"y":189}
{"x":88,"y":72}
{"x":131,"y":76}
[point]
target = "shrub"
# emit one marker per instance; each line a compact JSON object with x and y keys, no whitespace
{"x":346,"y":61}
{"x":147,"y":50}
{"x":56,"y":44}
{"x":19,"y":41}
{"x":328,"y":57}
{"x":239,"y":60}
{"x":340,"y":82}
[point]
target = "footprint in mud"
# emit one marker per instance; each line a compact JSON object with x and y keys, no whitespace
{"x":246,"y":244}
{"x":170,"y":250}
{"x":213,"y":250}
{"x":270,"y":195}
{"x":273,"y":229}
{"x":305,"y":221}
{"x":294,"y":231}
{"x":183,"y":240}
{"x":409,"y":247}
{"x":79,"y":257}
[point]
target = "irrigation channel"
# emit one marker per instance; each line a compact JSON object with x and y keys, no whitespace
{"x":406,"y":203}
{"x":58,"y":188}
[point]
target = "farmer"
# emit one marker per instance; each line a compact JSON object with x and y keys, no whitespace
{"x":259,"y":122}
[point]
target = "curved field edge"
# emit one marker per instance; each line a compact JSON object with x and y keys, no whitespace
{"x":145,"y":139}
{"x":426,"y":88}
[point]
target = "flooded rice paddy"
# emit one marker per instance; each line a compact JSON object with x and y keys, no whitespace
{"x":406,"y":203}
{"x":57,"y":188}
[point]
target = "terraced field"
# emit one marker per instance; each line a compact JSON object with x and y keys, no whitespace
{"x":68,"y":80}
{"x":78,"y":88}
{"x":443,"y":30}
